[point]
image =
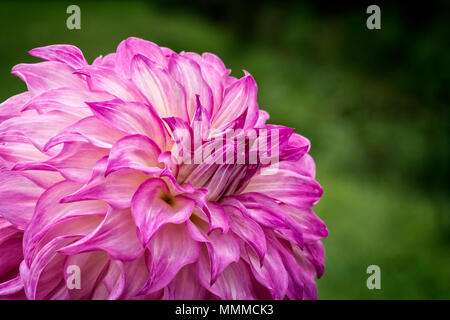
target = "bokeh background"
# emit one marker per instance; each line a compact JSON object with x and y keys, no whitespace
{"x":375,"y":105}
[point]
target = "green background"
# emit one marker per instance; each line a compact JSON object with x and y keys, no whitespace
{"x":373,"y":103}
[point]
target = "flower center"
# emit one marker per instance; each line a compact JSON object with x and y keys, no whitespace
{"x":168,"y":198}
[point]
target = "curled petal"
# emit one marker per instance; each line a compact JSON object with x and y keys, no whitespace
{"x":45,"y":76}
{"x":188,"y":73}
{"x":170,"y":249}
{"x":117,"y":188}
{"x":116,"y":235}
{"x":70,"y":55}
{"x":164,"y":93}
{"x":153,"y":206}
{"x":135,"y":152}
{"x":240,"y":96}
{"x":18,"y":197}
{"x":132,"y":118}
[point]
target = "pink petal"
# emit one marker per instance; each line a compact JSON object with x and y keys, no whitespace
{"x":74,"y":162}
{"x":272,"y":273}
{"x":69,"y":100}
{"x":245,"y":228}
{"x":45,"y":76}
{"x":90,"y":130}
{"x":130,"y":47}
{"x":287,"y":186}
{"x":29,"y":129}
{"x":133,"y":277}
{"x":151,"y":211}
{"x":66,"y":54}
{"x":238,"y":97}
{"x":233,"y":284}
{"x":132,"y":118}
{"x":92,"y":269}
{"x":218,"y":217}
{"x":135,"y":152}
{"x":105,"y":79}
{"x":12,"y":153}
{"x":116,"y":235}
{"x":49,"y":211}
{"x":164,"y":93}
{"x":18,"y":197}
{"x":117,"y":188}
{"x":185,"y":285}
{"x":171,"y":249}
{"x":223,"y":249}
{"x":188,"y":73}
{"x":213,"y":74}
{"x":313,"y":228}
{"x":12,"y":286}
{"x":13,"y":106}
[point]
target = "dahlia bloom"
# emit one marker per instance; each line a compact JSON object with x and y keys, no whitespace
{"x":142,"y":171}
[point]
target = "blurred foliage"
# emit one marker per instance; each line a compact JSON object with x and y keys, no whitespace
{"x":375,"y":105}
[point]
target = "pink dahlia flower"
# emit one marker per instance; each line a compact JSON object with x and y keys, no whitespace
{"x":151,"y":175}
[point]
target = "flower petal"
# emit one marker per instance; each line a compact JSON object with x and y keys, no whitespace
{"x":132,"y":118}
{"x":75,"y":161}
{"x":233,"y":284}
{"x":153,"y":206}
{"x":132,"y":46}
{"x":116,"y":189}
{"x":18,"y":197}
{"x":63,"y":53}
{"x":171,"y":249}
{"x":45,"y":76}
{"x":188,"y":73}
{"x":116,"y":235}
{"x":135,"y":152}
{"x":240,"y":96}
{"x":161,"y":90}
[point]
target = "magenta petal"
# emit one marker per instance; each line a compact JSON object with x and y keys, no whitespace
{"x":117,"y":188}
{"x":12,"y":286}
{"x":218,"y":217}
{"x":105,"y":79}
{"x":248,"y":230}
{"x":44,"y":76}
{"x":18,"y":197}
{"x":49,"y":212}
{"x":171,"y":248}
{"x":164,"y":93}
{"x":233,"y":284}
{"x":13,"y":106}
{"x":135,"y":152}
{"x":132,"y":118}
{"x":69,"y":100}
{"x":272,"y":273}
{"x":287,"y":186}
{"x":92,"y":268}
{"x":67,"y":54}
{"x":88,"y":129}
{"x":154,"y":206}
{"x":130,"y":47}
{"x":223,"y":249}
{"x":188,"y":73}
{"x":115,"y":235}
{"x":238,"y":97}
{"x":185,"y":285}
{"x":29,"y":129}
{"x":75,"y":161}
